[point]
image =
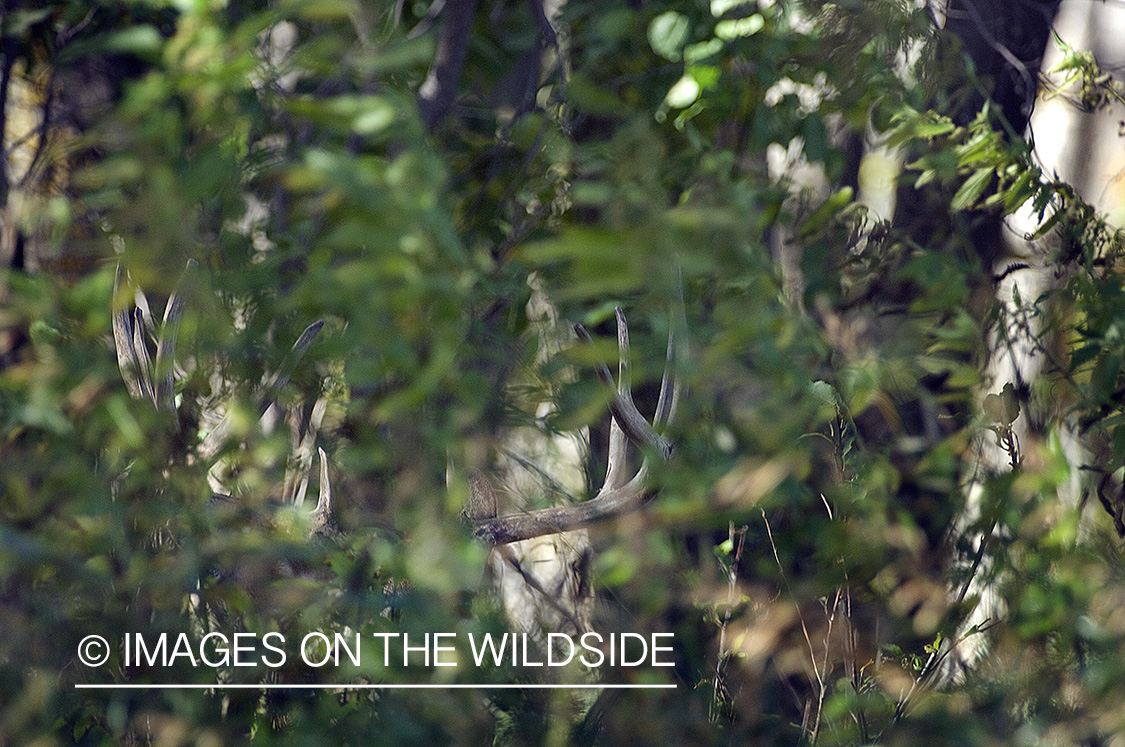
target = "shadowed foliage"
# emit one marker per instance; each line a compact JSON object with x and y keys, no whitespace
{"x":391,"y":216}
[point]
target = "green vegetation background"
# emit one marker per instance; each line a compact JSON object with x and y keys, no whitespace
{"x":800,"y":544}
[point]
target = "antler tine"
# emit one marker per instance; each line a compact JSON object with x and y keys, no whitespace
{"x":123,"y":341}
{"x":324,"y":500}
{"x":615,"y":474}
{"x":323,"y":524}
{"x":615,"y":464}
{"x":600,"y":368}
{"x":166,"y":344}
{"x":146,"y":378}
{"x":669,"y":388}
{"x":624,"y":411}
{"x":670,"y":384}
{"x":273,"y":384}
{"x":140,"y":300}
{"x":142,"y":358}
{"x":297,"y":476}
{"x":624,"y":377}
{"x":635,"y":425}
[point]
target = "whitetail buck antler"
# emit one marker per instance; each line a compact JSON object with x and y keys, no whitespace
{"x":618,"y":494}
{"x":146,"y":377}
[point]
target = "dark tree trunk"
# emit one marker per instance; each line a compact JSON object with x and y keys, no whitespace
{"x":995,"y":48}
{"x":1005,"y":40}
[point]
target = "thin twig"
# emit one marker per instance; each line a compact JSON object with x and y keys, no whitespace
{"x":804,"y":627}
{"x":732,"y":580}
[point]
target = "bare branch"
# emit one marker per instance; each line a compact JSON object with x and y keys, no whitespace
{"x":9,"y":50}
{"x":42,"y":133}
{"x":432,"y":14}
{"x":546,"y":27}
{"x":547,"y":597}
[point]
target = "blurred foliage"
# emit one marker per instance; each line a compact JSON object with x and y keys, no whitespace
{"x":804,"y":545}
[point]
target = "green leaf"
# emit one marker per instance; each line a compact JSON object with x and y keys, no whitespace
{"x":702,"y":50}
{"x":1020,"y":191}
{"x":825,"y":392}
{"x":1048,"y":224}
{"x":17,"y":22}
{"x":927,"y":125}
{"x":141,"y":40}
{"x":734,"y":28}
{"x":362,"y":114}
{"x":1119,"y":444}
{"x":828,"y":210}
{"x":683,"y":94}
{"x":587,"y":97}
{"x":1083,"y":354}
{"x":1010,"y":404}
{"x":320,"y":10}
{"x":934,"y":128}
{"x":1103,"y":379}
{"x":816,"y":139}
{"x":667,"y":34}
{"x":972,"y":189}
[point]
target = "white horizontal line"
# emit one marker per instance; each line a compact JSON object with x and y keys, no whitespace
{"x":344,"y":686}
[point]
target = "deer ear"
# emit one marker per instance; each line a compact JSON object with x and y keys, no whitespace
{"x":482,"y":498}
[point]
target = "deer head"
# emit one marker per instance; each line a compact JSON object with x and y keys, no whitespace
{"x":540,"y":556}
